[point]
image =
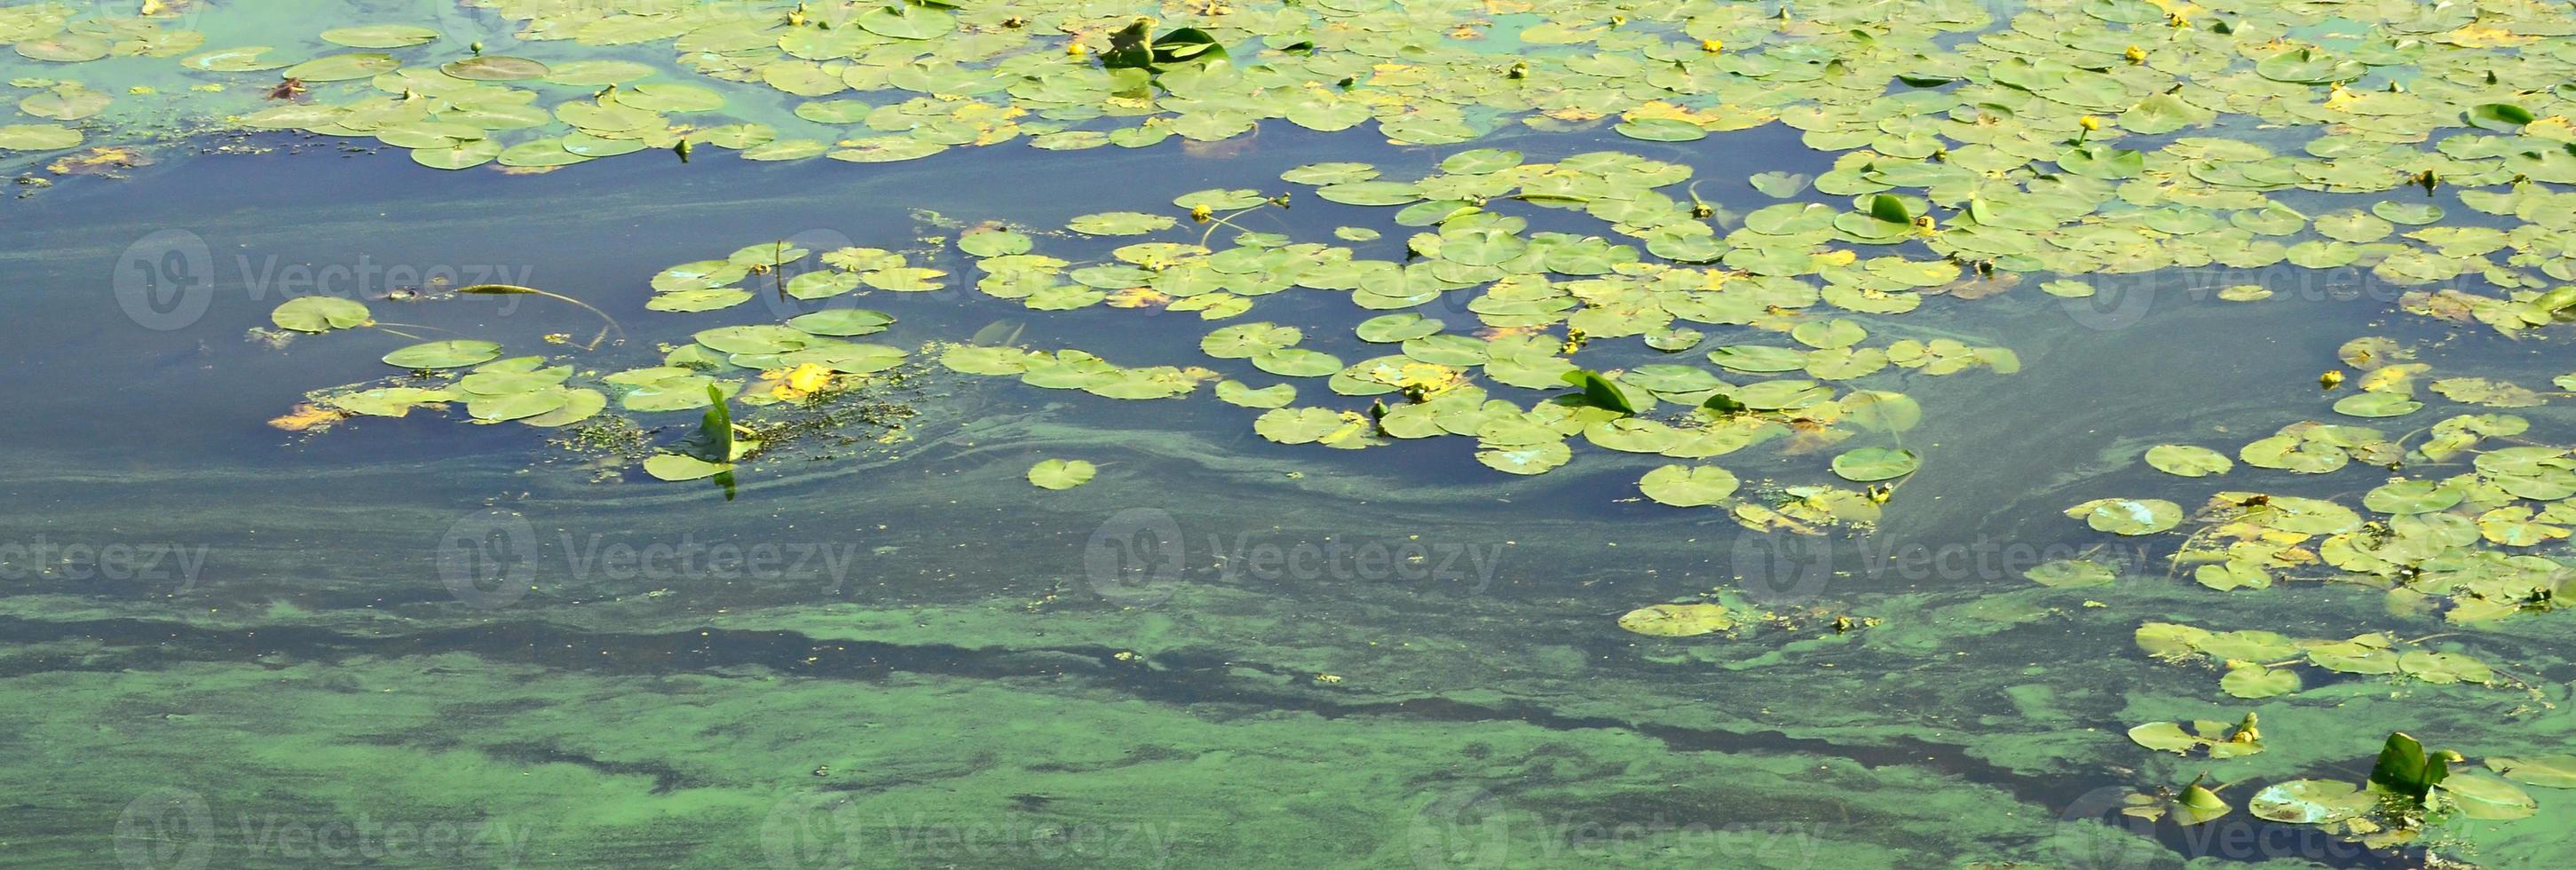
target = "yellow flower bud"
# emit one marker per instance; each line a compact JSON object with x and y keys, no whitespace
{"x":2089,"y":123}
{"x":1712,"y":46}
{"x":2135,"y":54}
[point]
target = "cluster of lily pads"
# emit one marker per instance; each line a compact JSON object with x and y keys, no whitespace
{"x":2409,"y":790}
{"x":1520,"y":287}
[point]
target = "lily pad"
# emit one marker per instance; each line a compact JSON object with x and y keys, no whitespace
{"x":1876,"y":463}
{"x":1061,"y":474}
{"x":444,"y":354}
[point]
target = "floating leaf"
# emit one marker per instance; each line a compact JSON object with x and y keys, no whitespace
{"x":1678,"y":620}
{"x":1688,"y":486}
{"x":2185,"y":460}
{"x":1061,"y":474}
{"x":444,"y":354}
{"x":1876,"y":463}
{"x":320,"y":314}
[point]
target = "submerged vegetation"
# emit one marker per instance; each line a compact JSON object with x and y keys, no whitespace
{"x":1513,"y":288}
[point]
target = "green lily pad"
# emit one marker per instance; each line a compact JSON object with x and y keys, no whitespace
{"x":444,"y":354}
{"x":675,"y":467}
{"x":320,"y":314}
{"x":1688,"y":486}
{"x":1876,"y":463}
{"x":2186,"y":460}
{"x":1061,"y":474}
{"x":2128,"y":516}
{"x":380,"y":36}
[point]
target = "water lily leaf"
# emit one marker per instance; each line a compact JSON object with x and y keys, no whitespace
{"x":2500,"y":117}
{"x":2311,"y":802}
{"x":1875,"y":463}
{"x":2479,"y":796}
{"x":1778,"y":185}
{"x":2186,"y":460}
{"x":1061,"y":474}
{"x":1526,"y":458}
{"x":1602,"y":392}
{"x":2257,"y":681}
{"x":1688,"y":485}
{"x":1240,"y":393}
{"x":2376,"y":405}
{"x":2412,"y":497}
{"x":1296,"y":362}
{"x":444,"y":354}
{"x":2409,"y":213}
{"x":380,"y":36}
{"x":2128,"y":516}
{"x":320,"y":314}
{"x":462,"y":155}
{"x":495,"y":68}
{"x":1119,"y":223}
{"x":1480,"y":161}
{"x":842,"y":322}
{"x":343,"y":67}
{"x":579,"y":404}
{"x":675,"y":467}
{"x":1678,"y":620}
{"x":2443,"y":667}
{"x":1661,"y":130}
{"x":38,"y":137}
{"x":1394,"y":328}
{"x":697,"y":300}
{"x":2546,"y":771}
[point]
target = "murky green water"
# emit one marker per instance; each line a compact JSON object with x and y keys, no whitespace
{"x":419,"y":642}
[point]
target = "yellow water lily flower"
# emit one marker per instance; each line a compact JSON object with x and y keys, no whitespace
{"x":799,"y":382}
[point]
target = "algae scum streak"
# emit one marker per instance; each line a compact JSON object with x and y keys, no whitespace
{"x":1334,"y":433}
